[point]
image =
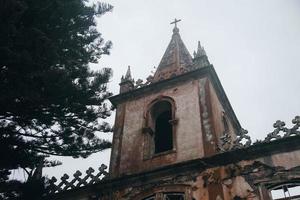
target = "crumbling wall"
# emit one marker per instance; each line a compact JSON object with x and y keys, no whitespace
{"x":188,"y":133}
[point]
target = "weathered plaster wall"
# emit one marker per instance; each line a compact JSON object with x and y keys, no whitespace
{"x":241,"y":180}
{"x":287,"y":160}
{"x":117,"y":140}
{"x":199,"y":192}
{"x":188,"y":139}
{"x":217,"y":110}
{"x":273,"y":170}
{"x":217,"y":115}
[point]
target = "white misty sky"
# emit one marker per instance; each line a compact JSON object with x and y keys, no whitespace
{"x":254,"y":46}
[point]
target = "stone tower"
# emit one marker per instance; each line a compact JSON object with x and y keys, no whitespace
{"x":175,"y":117}
{"x":176,"y":137}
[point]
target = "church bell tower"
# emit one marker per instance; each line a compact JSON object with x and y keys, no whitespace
{"x":175,"y":117}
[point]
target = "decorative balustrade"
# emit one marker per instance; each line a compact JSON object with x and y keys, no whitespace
{"x":280,"y":128}
{"x":227,"y":143}
{"x":140,"y":83}
{"x":243,"y":140}
{"x":77,"y":181}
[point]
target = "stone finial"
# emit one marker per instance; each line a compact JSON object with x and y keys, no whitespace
{"x":128,"y":76}
{"x":200,"y":51}
{"x":127,"y":82}
{"x":200,"y":57}
{"x":175,"y":29}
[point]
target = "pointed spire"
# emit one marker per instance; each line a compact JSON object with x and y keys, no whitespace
{"x":127,"y":82}
{"x":200,"y":57}
{"x":176,"y":58}
{"x":200,"y":51}
{"x":128,"y":76}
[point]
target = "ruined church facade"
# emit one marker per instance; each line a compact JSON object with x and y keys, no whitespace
{"x":176,"y":137}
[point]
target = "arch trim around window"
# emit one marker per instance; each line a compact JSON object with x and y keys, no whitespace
{"x":150,"y":128}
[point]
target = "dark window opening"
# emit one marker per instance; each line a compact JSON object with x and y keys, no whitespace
{"x":161,"y":115}
{"x":163,"y":132}
{"x":174,"y":196}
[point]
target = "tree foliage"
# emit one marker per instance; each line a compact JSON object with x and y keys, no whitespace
{"x":51,"y":101}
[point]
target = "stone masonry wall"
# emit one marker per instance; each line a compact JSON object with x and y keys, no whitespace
{"x":188,"y":139}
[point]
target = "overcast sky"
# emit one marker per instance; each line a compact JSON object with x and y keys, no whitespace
{"x":254,"y":46}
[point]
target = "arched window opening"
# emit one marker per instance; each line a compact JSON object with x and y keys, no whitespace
{"x":161,"y":114}
{"x":289,"y":191}
{"x":163,"y":132}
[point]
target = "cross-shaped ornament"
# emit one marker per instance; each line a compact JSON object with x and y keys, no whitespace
{"x":175,"y":22}
{"x":279,"y":124}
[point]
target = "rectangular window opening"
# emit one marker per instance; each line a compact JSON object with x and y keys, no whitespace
{"x":174,"y":196}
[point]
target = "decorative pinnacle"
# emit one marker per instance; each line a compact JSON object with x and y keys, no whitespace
{"x":200,"y":51}
{"x":127,"y":76}
{"x":175,"y":30}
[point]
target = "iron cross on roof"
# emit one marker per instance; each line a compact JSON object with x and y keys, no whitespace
{"x":175,"y":21}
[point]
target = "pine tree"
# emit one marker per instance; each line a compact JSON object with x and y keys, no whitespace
{"x":50,"y":100}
